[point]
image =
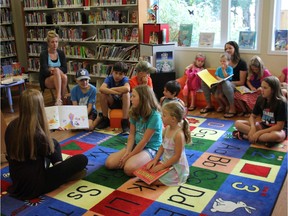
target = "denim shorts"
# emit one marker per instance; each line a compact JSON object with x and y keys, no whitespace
{"x":152,"y":153}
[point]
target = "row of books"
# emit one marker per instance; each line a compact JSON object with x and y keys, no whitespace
{"x":4,"y":3}
{"x":112,"y":16}
{"x":6,"y":32}
{"x":34,"y":49}
{"x":73,"y":3}
{"x":37,"y":33}
{"x":102,"y":52}
{"x":7,"y":48}
{"x":6,"y":16}
{"x":8,"y":61}
{"x":33,"y":64}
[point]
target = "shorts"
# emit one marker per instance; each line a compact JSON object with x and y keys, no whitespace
{"x":93,"y":115}
{"x":117,"y":103}
{"x":152,"y":153}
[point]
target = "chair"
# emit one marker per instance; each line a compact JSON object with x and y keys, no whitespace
{"x":52,"y":93}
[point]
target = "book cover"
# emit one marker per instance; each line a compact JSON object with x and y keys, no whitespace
{"x":247,"y":39}
{"x":210,"y":80}
{"x":206,"y":39}
{"x":149,"y":177}
{"x":164,"y":62}
{"x":69,"y":117}
{"x":154,"y":38}
{"x":185,"y":35}
{"x":244,"y":90}
{"x":281,"y":38}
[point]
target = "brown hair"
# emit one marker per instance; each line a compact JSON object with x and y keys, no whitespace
{"x":32,"y":128}
{"x":147,"y":102}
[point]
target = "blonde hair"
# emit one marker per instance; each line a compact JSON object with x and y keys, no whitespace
{"x":50,"y":35}
{"x":147,"y":103}
{"x":32,"y":128}
{"x":199,"y":55}
{"x":256,"y":61}
{"x":226,"y":56}
{"x":175,"y":109}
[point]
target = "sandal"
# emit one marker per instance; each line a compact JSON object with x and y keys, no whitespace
{"x":229,"y":115}
{"x":220,"y":109}
{"x":191,"y":108}
{"x":237,"y":135}
{"x":206,"y":110}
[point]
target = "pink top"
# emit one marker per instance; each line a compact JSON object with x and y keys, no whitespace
{"x":193,"y":81}
{"x":285,"y":71}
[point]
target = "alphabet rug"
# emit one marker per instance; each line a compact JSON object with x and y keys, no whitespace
{"x":227,"y":177}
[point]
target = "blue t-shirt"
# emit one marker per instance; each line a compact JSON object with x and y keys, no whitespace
{"x":56,"y":63}
{"x":155,"y":123}
{"x":111,"y":82}
{"x":219,"y":72}
{"x":84,"y":99}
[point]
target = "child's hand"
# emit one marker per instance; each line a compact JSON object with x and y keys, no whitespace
{"x":151,"y":164}
{"x":157,"y":168}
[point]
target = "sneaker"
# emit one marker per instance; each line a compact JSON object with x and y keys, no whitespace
{"x":104,"y":123}
{"x":125,"y":126}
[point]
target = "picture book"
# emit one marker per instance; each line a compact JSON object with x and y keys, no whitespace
{"x":247,"y":39}
{"x":164,"y":62}
{"x":281,"y":38}
{"x":209,"y":79}
{"x":154,"y":38}
{"x":69,"y":117}
{"x":244,"y":90}
{"x":206,"y":39}
{"x":185,"y":35}
{"x":148,"y":177}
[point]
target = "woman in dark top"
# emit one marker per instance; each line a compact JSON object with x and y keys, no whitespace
{"x":30,"y":149}
{"x":239,"y":78}
{"x":53,"y":68}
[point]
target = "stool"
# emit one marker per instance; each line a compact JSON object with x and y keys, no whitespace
{"x":116,"y":116}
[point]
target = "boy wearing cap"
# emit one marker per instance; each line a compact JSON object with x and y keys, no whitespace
{"x":85,"y":94}
{"x":115,"y":94}
{"x":142,"y":77}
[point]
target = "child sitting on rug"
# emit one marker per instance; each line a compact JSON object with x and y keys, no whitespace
{"x":256,"y":73}
{"x":193,"y":83}
{"x":85,"y":94}
{"x":171,"y":90}
{"x":176,"y":135}
{"x":30,"y":149}
{"x":145,"y":132}
{"x":271,"y":105}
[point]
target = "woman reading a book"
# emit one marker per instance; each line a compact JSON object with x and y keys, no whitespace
{"x":145,"y":132}
{"x":30,"y":149}
{"x":53,"y":68}
{"x":256,"y":73}
{"x":271,"y":106}
{"x":176,"y":135}
{"x":238,"y":79}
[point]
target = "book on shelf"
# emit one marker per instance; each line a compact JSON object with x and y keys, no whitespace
{"x":244,"y":90}
{"x":149,"y":177}
{"x":281,"y":39}
{"x":185,"y":35}
{"x":69,"y":117}
{"x":154,"y":38}
{"x":206,"y":39}
{"x":209,"y":79}
{"x":247,"y":39}
{"x":164,"y":62}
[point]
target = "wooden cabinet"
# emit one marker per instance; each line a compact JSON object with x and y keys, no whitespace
{"x":8,"y":44}
{"x":93,"y":34}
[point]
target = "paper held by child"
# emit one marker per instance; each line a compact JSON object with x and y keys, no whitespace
{"x":149,"y":177}
{"x":209,"y":79}
{"x":69,"y":117}
{"x":244,"y":90}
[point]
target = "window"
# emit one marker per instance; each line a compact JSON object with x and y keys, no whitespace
{"x":225,"y":18}
{"x":280,"y":26}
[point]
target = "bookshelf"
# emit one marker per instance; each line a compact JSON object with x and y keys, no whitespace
{"x":93,"y":34}
{"x":8,"y":43}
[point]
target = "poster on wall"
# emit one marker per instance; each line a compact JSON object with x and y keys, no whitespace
{"x":164,"y":62}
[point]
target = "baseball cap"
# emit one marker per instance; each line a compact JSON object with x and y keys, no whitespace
{"x":144,"y":66}
{"x":82,"y":74}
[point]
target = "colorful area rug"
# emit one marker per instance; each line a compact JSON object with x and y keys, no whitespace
{"x":227,"y":177}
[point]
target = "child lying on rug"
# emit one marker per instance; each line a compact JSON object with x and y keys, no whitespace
{"x":30,"y":152}
{"x":176,"y":135}
{"x":271,"y":105}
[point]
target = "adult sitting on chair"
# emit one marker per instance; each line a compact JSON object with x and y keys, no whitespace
{"x":53,"y":68}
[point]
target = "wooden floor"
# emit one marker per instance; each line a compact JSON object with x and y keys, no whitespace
{"x":280,"y":209}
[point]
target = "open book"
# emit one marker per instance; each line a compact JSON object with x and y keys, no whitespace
{"x":69,"y":117}
{"x":149,"y":177}
{"x":210,"y":80}
{"x":244,"y":90}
